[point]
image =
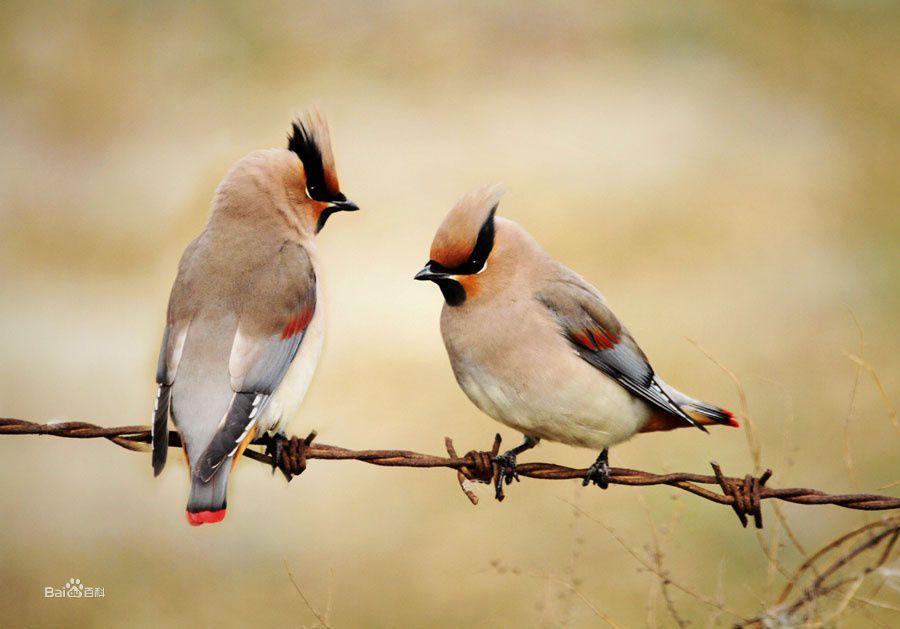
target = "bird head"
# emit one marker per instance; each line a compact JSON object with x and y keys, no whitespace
{"x":311,"y":142}
{"x":297,"y":185}
{"x":462,"y":249}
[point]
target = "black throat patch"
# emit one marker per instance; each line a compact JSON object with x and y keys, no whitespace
{"x":453,"y":292}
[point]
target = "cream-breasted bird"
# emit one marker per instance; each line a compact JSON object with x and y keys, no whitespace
{"x":245,"y":327}
{"x":535,"y":346}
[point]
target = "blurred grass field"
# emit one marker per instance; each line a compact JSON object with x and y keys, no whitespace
{"x":722,"y":172}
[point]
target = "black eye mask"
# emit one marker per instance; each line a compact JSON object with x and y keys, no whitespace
{"x":303,"y":144}
{"x":478,"y":258}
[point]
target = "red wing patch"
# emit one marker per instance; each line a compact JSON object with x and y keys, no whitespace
{"x":297,"y":324}
{"x":596,"y":339}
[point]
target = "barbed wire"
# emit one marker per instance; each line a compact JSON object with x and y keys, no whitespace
{"x":743,"y":495}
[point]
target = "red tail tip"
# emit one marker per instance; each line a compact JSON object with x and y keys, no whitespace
{"x":205,"y":517}
{"x":731,"y":420}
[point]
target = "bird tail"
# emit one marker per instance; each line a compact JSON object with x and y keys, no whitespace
{"x":701,"y":412}
{"x":209,"y":484}
{"x":206,"y":503}
{"x":707,"y":414}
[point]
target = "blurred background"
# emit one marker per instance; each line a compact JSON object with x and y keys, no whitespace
{"x":722,"y":172}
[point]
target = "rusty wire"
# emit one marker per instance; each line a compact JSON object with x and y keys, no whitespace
{"x":744,"y":495}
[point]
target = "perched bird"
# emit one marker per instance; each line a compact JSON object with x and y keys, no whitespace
{"x":244,"y":328}
{"x":535,"y":346}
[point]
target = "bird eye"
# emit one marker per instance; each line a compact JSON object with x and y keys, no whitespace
{"x":311,"y":191}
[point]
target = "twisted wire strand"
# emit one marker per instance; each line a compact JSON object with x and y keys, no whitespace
{"x":743,"y":495}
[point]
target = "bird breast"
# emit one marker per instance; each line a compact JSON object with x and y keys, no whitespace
{"x":515,"y":365}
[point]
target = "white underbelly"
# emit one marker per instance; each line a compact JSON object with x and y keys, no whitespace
{"x":281,"y":411}
{"x":590,"y":410}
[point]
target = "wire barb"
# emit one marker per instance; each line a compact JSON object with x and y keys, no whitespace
{"x":481,"y":469}
{"x":744,"y":495}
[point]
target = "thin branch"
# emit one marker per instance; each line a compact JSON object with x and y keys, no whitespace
{"x":819,"y":589}
{"x":753,"y":442}
{"x":832,"y":579}
{"x":892,"y":412}
{"x":851,"y":410}
{"x":569,"y":586}
{"x":323,"y":620}
{"x":657,"y":554}
{"x":720,"y":596}
{"x":651,"y":567}
{"x":790,"y":447}
{"x":501,"y":569}
{"x":830,"y":546}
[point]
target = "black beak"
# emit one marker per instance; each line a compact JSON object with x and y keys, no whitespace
{"x":427,"y":273}
{"x":343,"y":206}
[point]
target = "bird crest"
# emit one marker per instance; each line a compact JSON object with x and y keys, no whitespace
{"x":466,"y":224}
{"x":311,"y":141}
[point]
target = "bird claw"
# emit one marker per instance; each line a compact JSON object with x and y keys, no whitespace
{"x":506,"y":465}
{"x":598,"y":473}
{"x":275,"y":449}
{"x":288,"y":454}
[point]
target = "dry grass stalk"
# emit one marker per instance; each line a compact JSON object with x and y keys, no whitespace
{"x":322,"y":618}
{"x":834,"y":560}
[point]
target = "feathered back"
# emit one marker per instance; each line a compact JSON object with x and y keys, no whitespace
{"x":311,"y":141}
{"x":455,"y":239}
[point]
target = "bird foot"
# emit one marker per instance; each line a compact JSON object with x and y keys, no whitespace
{"x":598,"y":473}
{"x":275,"y":449}
{"x":506,"y":466}
{"x":289,"y":455}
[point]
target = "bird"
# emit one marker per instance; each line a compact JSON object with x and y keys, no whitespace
{"x":245,"y":325}
{"x":536,"y":347}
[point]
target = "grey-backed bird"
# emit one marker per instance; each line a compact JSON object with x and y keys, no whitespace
{"x":536,"y":347}
{"x":245,"y":325}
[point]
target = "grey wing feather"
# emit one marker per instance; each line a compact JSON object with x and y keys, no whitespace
{"x":600,"y":339}
{"x":266,"y":374}
{"x":160,"y":425}
{"x":159,"y":432}
{"x":228,"y":438}
{"x":638,"y":381}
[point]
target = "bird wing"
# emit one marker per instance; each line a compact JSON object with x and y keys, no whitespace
{"x":273,"y":321}
{"x":178,"y":320}
{"x":600,"y":339}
